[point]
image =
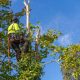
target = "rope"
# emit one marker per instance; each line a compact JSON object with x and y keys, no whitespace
{"x":9,"y":49}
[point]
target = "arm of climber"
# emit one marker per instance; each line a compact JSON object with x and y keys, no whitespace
{"x":10,"y":29}
{"x":17,"y":29}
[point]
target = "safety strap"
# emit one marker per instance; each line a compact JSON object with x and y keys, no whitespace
{"x":8,"y":48}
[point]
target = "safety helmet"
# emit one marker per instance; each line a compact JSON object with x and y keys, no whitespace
{"x":15,"y":19}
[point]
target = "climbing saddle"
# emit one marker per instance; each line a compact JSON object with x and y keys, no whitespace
{"x":16,"y":37}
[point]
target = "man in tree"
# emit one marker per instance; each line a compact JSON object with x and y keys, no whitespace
{"x":14,"y":36}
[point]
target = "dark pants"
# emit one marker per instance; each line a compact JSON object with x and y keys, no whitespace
{"x":16,"y":48}
{"x":16,"y":41}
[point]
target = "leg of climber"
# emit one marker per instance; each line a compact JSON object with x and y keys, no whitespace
{"x":16,"y":48}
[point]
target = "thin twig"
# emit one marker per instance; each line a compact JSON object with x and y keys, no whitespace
{"x":57,"y":61}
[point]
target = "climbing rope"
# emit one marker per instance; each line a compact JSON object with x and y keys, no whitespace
{"x":8,"y":49}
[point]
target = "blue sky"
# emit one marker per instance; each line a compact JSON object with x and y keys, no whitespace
{"x":63,"y":15}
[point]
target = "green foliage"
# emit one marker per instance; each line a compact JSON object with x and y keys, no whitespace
{"x":4,"y":3}
{"x":29,"y":67}
{"x":30,"y":64}
{"x":71,"y":62}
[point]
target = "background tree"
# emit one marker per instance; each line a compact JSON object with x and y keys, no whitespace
{"x":71,"y":62}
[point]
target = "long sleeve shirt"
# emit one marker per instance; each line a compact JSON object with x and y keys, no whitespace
{"x":13,"y":28}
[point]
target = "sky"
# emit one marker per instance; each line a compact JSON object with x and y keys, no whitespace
{"x":62,"y":15}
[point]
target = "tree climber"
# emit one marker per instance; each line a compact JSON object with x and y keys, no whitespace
{"x":14,"y":36}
